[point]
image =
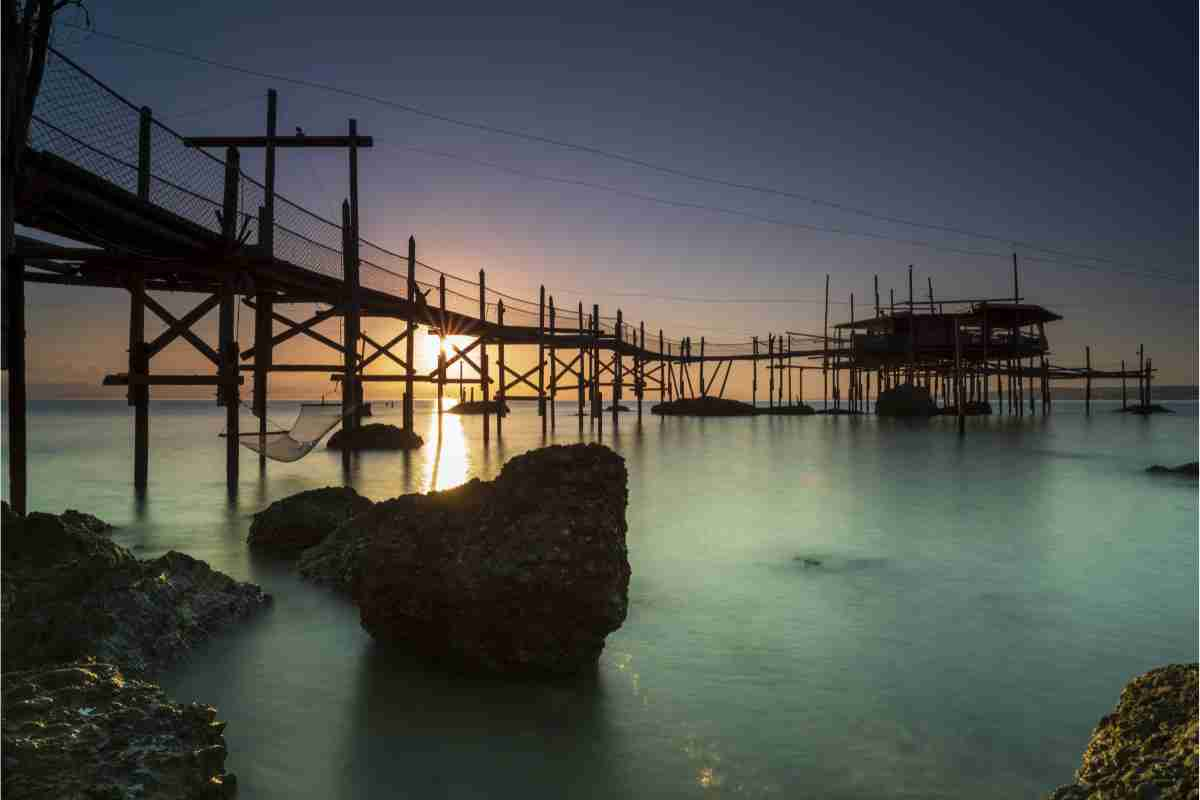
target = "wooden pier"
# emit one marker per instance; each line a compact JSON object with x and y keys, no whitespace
{"x":153,"y":211}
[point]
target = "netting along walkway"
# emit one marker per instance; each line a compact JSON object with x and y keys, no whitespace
{"x":82,"y":120}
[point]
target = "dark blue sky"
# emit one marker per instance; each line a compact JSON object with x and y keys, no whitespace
{"x":1075,"y":128}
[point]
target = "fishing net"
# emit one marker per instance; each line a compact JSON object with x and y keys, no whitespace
{"x":314,"y":421}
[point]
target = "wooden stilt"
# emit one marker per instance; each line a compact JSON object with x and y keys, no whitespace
{"x":825,"y":346}
{"x":14,"y":346}
{"x":502,"y":368}
{"x":441,"y":390}
{"x":771,"y":370}
{"x":703,"y":384}
{"x":641,"y":377}
{"x":483,"y":359}
{"x":582,"y":366}
{"x":958,"y":393}
{"x":228,"y":350}
{"x":618,"y":370}
{"x":139,"y":395}
{"x":541,"y":369}
{"x":1087,"y":392}
{"x":1124,"y":391}
{"x":754,"y":376}
{"x":553,"y":364}
{"x":1141,"y":374}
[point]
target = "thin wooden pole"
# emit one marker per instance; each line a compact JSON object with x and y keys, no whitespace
{"x":582,"y":365}
{"x":228,"y":349}
{"x":1087,"y":392}
{"x":553,"y":364}
{"x":1149,"y":380}
{"x":14,"y":345}
{"x":825,"y":345}
{"x":139,"y":394}
{"x":703,"y":384}
{"x":771,"y":370}
{"x":441,"y":390}
{"x":501,"y":391}
{"x":641,"y":378}
{"x":1124,"y":391}
{"x":409,"y":370}
{"x":1141,"y":374}
{"x":618,"y":371}
{"x":541,"y":365}
{"x":485,"y":389}
{"x":958,"y":389}
{"x":754,"y":377}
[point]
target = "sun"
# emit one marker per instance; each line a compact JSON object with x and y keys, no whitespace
{"x":433,"y":343}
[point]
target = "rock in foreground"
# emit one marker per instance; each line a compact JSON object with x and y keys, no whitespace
{"x":703,"y":407}
{"x":84,"y":730}
{"x":294,"y":523}
{"x":336,"y":561}
{"x":1190,"y":470}
{"x":70,"y":593}
{"x":1147,"y":747}
{"x":524,"y":574}
{"x":376,"y":436}
{"x":905,"y":400}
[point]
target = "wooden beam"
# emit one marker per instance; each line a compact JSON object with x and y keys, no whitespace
{"x":123,"y":379}
{"x":301,"y":140}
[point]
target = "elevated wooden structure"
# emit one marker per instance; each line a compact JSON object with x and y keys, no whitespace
{"x":148,"y":211}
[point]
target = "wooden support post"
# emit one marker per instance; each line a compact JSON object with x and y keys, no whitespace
{"x":1149,"y":380}
{"x":641,"y":370}
{"x":825,"y":345}
{"x":877,"y":296}
{"x":1141,"y":374}
{"x":754,"y":377}
{"x":144,"y":139}
{"x":487,"y":425}
{"x":139,"y":395}
{"x":541,"y":368}
{"x":582,"y":364}
{"x":930,"y":295}
{"x":501,"y":388}
{"x":958,"y":389}
{"x":1087,"y":392}
{"x":14,"y":346}
{"x":1124,"y":391}
{"x":553,"y":364}
{"x":441,"y":390}
{"x":618,"y":369}
{"x":264,"y":329}
{"x":411,"y":326}
{"x":351,"y":322}
{"x":770,"y":370}
{"x":664,"y":386}
{"x":1031,"y":399}
{"x":227,"y":392}
{"x":703,"y":385}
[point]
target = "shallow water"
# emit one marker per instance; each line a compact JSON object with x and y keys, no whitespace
{"x":977,"y":606}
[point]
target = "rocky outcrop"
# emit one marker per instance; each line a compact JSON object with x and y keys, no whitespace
{"x":376,"y":436}
{"x":1190,"y":470}
{"x":524,"y":574}
{"x":905,"y":400}
{"x":703,"y":407}
{"x":335,"y":562}
{"x":1147,"y":747}
{"x":85,"y":730}
{"x":288,"y":526}
{"x":89,"y":523}
{"x":479,"y":407}
{"x":70,"y":593}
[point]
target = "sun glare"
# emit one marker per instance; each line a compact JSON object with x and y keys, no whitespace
{"x":446,"y":344}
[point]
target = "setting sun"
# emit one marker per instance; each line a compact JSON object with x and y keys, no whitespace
{"x":446,"y":343}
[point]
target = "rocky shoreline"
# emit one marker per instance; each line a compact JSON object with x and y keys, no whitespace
{"x":1146,"y":749}
{"x":85,"y":624}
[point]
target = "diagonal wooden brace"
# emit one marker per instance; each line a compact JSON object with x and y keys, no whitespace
{"x":180,"y":327}
{"x":298,"y":328}
{"x":383,"y":350}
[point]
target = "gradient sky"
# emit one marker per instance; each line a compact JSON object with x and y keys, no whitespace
{"x":1074,"y":129}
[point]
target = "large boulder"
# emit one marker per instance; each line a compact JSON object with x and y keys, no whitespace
{"x":524,"y":574}
{"x":376,"y":436}
{"x":85,"y":730}
{"x":1146,"y":748}
{"x":905,"y":400}
{"x":302,"y":520}
{"x":70,"y":593}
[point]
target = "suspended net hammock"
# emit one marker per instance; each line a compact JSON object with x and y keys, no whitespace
{"x":314,"y":421}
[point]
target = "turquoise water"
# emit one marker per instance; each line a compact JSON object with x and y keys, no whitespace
{"x":978,"y":606}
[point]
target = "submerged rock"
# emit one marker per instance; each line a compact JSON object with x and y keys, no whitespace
{"x":905,"y":400}
{"x":1190,"y":470}
{"x":375,"y":436}
{"x":70,"y":593}
{"x":294,"y":523}
{"x":1147,"y":747}
{"x":1145,"y":410}
{"x":85,"y":730}
{"x":524,"y":574}
{"x":703,"y":407}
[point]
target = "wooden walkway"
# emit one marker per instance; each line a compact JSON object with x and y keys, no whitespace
{"x":152,"y":211}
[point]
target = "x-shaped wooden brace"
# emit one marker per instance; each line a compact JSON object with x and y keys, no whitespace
{"x":181,"y":327}
{"x":383,"y":350}
{"x":520,"y":378}
{"x":462,"y":354}
{"x":568,"y":366}
{"x":297,"y":328}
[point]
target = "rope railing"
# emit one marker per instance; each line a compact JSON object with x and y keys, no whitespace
{"x":83,"y":121}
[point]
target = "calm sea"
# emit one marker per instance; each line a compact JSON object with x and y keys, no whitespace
{"x":978,"y":605}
